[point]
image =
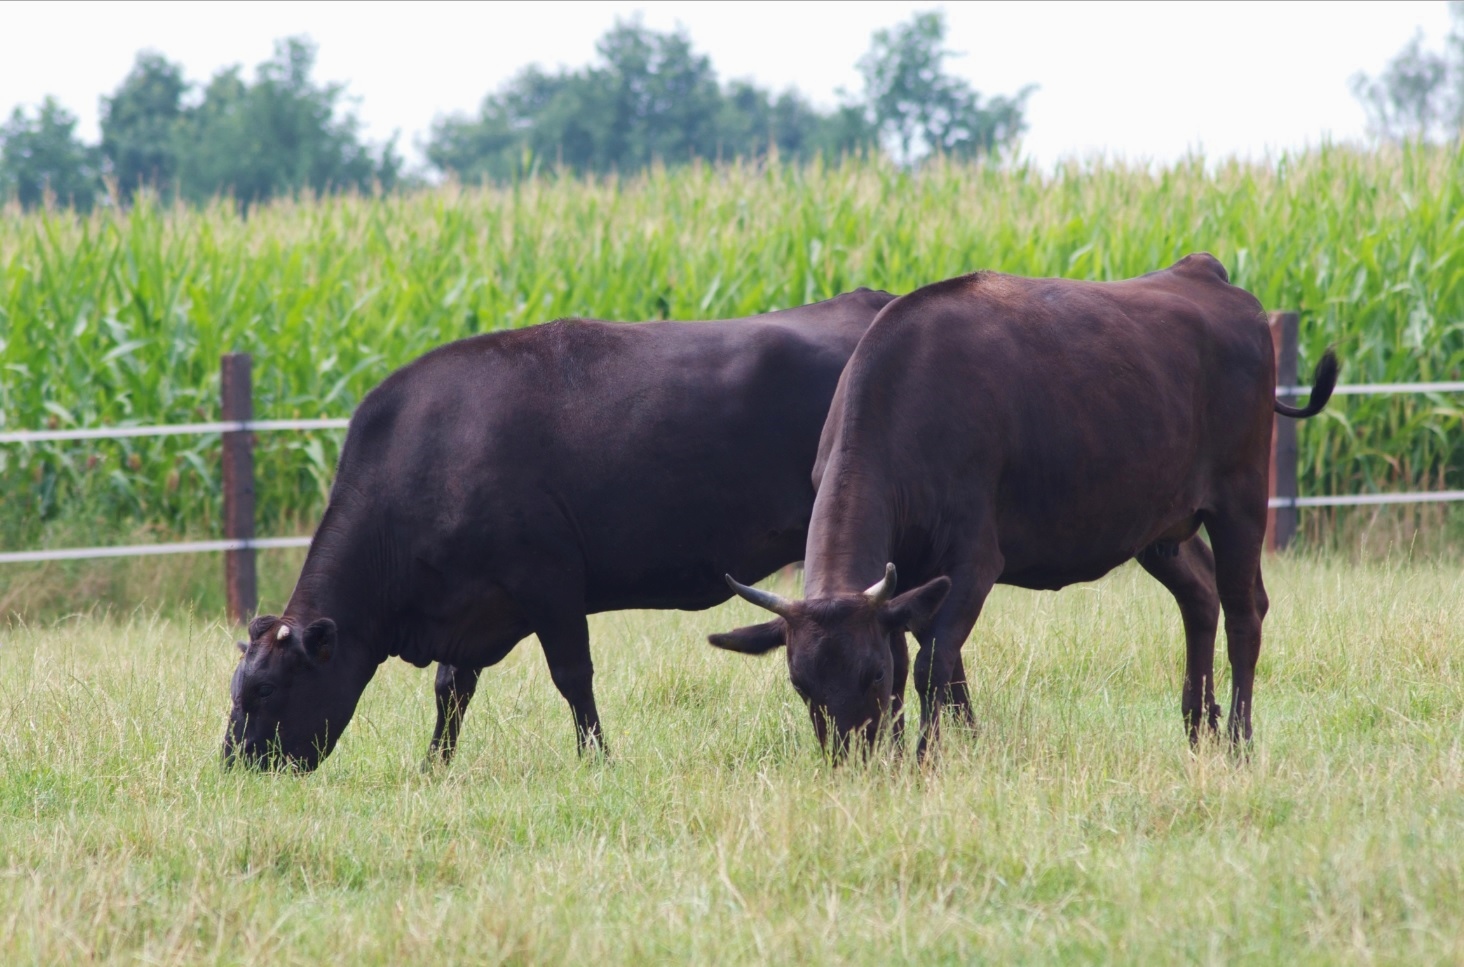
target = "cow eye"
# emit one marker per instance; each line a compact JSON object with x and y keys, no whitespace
{"x":265,"y":690}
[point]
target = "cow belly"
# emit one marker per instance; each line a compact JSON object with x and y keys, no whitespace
{"x":1059,"y":560}
{"x":691,"y":581}
{"x":690,"y":587}
{"x":1054,"y":577}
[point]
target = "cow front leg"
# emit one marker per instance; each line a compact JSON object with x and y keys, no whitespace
{"x":566,"y":644}
{"x":900,"y":653}
{"x":940,"y":648}
{"x":959,"y":694}
{"x":454,"y":690}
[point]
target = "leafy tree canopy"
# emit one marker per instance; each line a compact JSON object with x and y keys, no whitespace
{"x":651,"y":97}
{"x":1420,"y":94}
{"x":279,"y":135}
{"x":918,"y":108}
{"x":142,"y":125}
{"x":41,"y":157}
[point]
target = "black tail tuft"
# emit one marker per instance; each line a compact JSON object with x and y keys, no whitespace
{"x":1324,"y":380}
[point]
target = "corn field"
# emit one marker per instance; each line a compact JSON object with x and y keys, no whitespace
{"x":120,"y":317}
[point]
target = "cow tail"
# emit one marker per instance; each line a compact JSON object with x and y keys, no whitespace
{"x":1324,"y":380}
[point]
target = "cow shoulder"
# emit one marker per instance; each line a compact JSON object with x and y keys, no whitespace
{"x":1201,"y":264}
{"x":872,"y":299}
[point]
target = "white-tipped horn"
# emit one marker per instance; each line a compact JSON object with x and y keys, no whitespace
{"x":880,"y":592}
{"x":283,"y":633}
{"x":763,"y":599}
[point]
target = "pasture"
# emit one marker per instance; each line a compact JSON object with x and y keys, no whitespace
{"x":1074,"y":825}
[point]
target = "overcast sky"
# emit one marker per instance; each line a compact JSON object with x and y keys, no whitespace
{"x":1138,"y":80}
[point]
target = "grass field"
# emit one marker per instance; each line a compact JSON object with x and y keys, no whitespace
{"x":1075,"y":825}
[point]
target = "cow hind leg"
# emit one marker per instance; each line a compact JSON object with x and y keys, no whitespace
{"x":1188,"y":572}
{"x":454,"y":690}
{"x":1237,"y":539}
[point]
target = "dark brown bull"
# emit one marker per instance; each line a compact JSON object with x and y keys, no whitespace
{"x":512,"y":483}
{"x":1035,"y":432}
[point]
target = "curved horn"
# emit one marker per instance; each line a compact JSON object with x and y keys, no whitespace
{"x":766,"y":600}
{"x":283,"y":633}
{"x":880,"y":592}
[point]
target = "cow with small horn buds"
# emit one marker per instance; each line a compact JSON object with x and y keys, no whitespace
{"x":871,"y":686}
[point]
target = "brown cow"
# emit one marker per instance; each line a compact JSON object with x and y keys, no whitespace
{"x":1035,"y":432}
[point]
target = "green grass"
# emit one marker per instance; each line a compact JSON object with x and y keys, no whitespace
{"x":1074,"y":826}
{"x":121,"y":317}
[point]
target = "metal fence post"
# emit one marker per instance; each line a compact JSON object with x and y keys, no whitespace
{"x":1281,"y":521}
{"x":237,"y":395}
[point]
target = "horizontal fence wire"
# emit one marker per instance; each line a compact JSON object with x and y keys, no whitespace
{"x":340,"y":423}
{"x":172,"y":429}
{"x":1361,"y":500}
{"x":144,"y":550}
{"x":268,"y":543}
{"x":1376,"y":389}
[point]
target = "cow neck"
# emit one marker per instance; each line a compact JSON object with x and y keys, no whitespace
{"x":850,"y":538}
{"x":344,"y":581}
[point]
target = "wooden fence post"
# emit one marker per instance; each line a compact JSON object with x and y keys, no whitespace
{"x":238,"y":404}
{"x":1281,"y":521}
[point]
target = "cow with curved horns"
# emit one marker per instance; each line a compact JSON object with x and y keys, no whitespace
{"x":1035,"y":432}
{"x":512,"y":483}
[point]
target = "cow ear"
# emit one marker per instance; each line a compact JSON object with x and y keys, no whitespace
{"x":243,"y":646}
{"x":319,"y":639}
{"x":754,"y":639}
{"x":261,"y":625}
{"x":915,"y":608}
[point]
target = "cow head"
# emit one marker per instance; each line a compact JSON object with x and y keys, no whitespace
{"x":839,"y":650}
{"x":294,"y":690}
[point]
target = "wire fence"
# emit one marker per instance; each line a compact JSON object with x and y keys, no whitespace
{"x":336,"y":423}
{"x":171,"y":429}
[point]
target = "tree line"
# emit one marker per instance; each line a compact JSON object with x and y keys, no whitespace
{"x":1420,"y":93}
{"x":649,"y":97}
{"x":278,"y":134}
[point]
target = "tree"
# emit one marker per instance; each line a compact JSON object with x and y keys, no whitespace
{"x":276,"y":136}
{"x":42,"y":156}
{"x":1420,"y":94}
{"x":495,"y":145}
{"x":918,"y":108}
{"x":649,"y":97}
{"x":141,"y":125}
{"x":753,"y":122}
{"x":659,"y":98}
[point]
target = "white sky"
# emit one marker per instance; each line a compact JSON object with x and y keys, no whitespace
{"x":1145,"y":81}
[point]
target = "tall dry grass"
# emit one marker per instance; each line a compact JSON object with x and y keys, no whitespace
{"x":1073,"y":826}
